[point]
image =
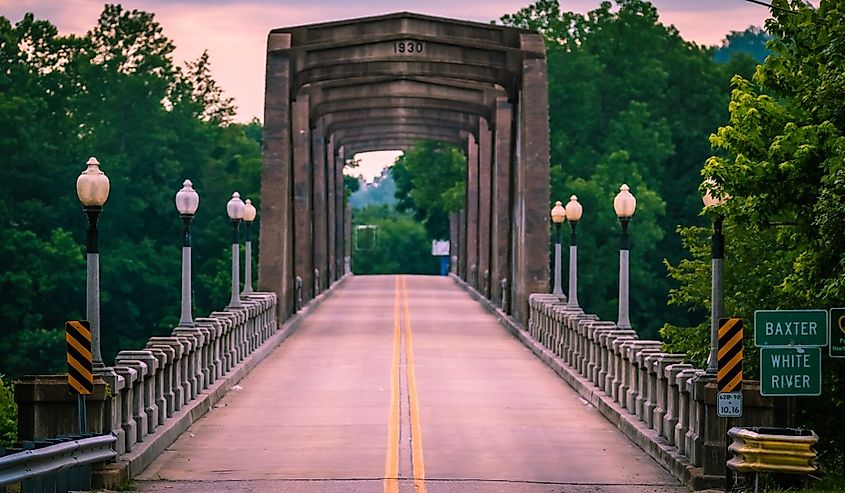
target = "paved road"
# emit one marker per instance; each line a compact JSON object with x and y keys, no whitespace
{"x":404,"y":378}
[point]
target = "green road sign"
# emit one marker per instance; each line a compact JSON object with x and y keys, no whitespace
{"x":837,"y":332}
{"x":790,"y":328}
{"x":786,"y":371}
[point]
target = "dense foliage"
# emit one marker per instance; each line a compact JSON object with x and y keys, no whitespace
{"x":430,"y":182}
{"x":390,"y":242}
{"x":632,"y":103}
{"x":114,"y":93}
{"x":750,"y":43}
{"x":8,"y":414}
{"x":781,"y":159}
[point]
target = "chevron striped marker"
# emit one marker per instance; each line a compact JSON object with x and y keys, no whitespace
{"x":80,"y":367}
{"x":729,"y":355}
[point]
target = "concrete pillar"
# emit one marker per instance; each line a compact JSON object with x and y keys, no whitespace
{"x":340,"y":216}
{"x":531,"y":193}
{"x":347,"y":231}
{"x":321,"y":234}
{"x":485,"y":165}
{"x":462,"y":244}
{"x":302,"y":214}
{"x":331,"y":181}
{"x":501,"y":203}
{"x":275,"y":268}
{"x":472,"y":212}
{"x":454,"y":225}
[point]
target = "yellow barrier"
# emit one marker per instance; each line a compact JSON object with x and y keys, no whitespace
{"x":780,"y":450}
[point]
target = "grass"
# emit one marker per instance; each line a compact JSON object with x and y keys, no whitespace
{"x":768,"y":483}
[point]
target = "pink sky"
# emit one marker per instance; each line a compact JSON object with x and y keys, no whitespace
{"x":234,"y":32}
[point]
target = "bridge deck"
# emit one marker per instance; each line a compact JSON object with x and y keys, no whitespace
{"x":408,"y":377}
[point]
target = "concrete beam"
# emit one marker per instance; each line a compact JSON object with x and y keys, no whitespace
{"x":346,"y":105}
{"x":411,"y":130}
{"x":399,"y":121}
{"x":447,"y":118}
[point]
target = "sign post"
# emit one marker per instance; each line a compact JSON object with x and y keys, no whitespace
{"x":837,"y":333}
{"x":80,"y":365}
{"x":440,"y":248}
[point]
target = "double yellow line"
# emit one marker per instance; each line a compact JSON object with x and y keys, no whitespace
{"x":391,"y":468}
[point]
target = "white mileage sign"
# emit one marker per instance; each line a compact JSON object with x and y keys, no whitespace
{"x":729,"y":405}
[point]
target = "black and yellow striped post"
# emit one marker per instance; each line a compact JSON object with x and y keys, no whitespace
{"x":729,"y":356}
{"x":729,"y":379}
{"x":80,"y":364}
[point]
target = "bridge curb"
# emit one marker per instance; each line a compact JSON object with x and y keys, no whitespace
{"x":144,"y":453}
{"x":635,"y":430}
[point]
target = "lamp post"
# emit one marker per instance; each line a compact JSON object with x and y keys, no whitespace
{"x":558,"y":216}
{"x":92,"y":188}
{"x":187,"y":202}
{"x":235,"y":210}
{"x":249,"y":217}
{"x":573,"y":214}
{"x":717,"y":279}
{"x":624,"y":204}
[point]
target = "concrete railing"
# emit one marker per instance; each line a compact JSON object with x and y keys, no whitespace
{"x":153,"y":393}
{"x":151,"y":384}
{"x":666,"y":406}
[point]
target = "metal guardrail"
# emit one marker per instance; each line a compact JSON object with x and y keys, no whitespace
{"x":780,"y":450}
{"x":40,"y":466}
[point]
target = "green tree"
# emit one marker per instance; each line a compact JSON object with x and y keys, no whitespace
{"x":392,"y":243}
{"x":639,"y":102}
{"x":117,"y":94}
{"x":751,"y":42}
{"x":431,"y":182}
{"x":780,"y":159}
{"x":8,"y":415}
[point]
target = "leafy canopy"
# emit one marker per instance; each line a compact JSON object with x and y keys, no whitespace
{"x":114,"y":93}
{"x":780,"y":157}
{"x":632,"y":102}
{"x":431,"y":182}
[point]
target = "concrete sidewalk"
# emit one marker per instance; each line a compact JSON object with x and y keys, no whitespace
{"x":347,"y":400}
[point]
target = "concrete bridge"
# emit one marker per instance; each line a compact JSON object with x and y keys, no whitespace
{"x":387,"y":383}
{"x":403,"y":383}
{"x":381,"y":83}
{"x":324,"y":381}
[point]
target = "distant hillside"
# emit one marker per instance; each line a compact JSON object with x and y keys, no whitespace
{"x":381,"y":191}
{"x":751,"y":42}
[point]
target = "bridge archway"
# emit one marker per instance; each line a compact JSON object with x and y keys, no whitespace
{"x":380,"y":83}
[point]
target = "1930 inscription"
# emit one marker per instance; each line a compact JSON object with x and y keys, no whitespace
{"x":408,"y":47}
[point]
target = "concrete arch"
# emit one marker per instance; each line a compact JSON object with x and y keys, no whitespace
{"x":339,"y":88}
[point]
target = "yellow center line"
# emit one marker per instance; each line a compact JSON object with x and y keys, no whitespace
{"x":391,"y":463}
{"x":416,"y":427}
